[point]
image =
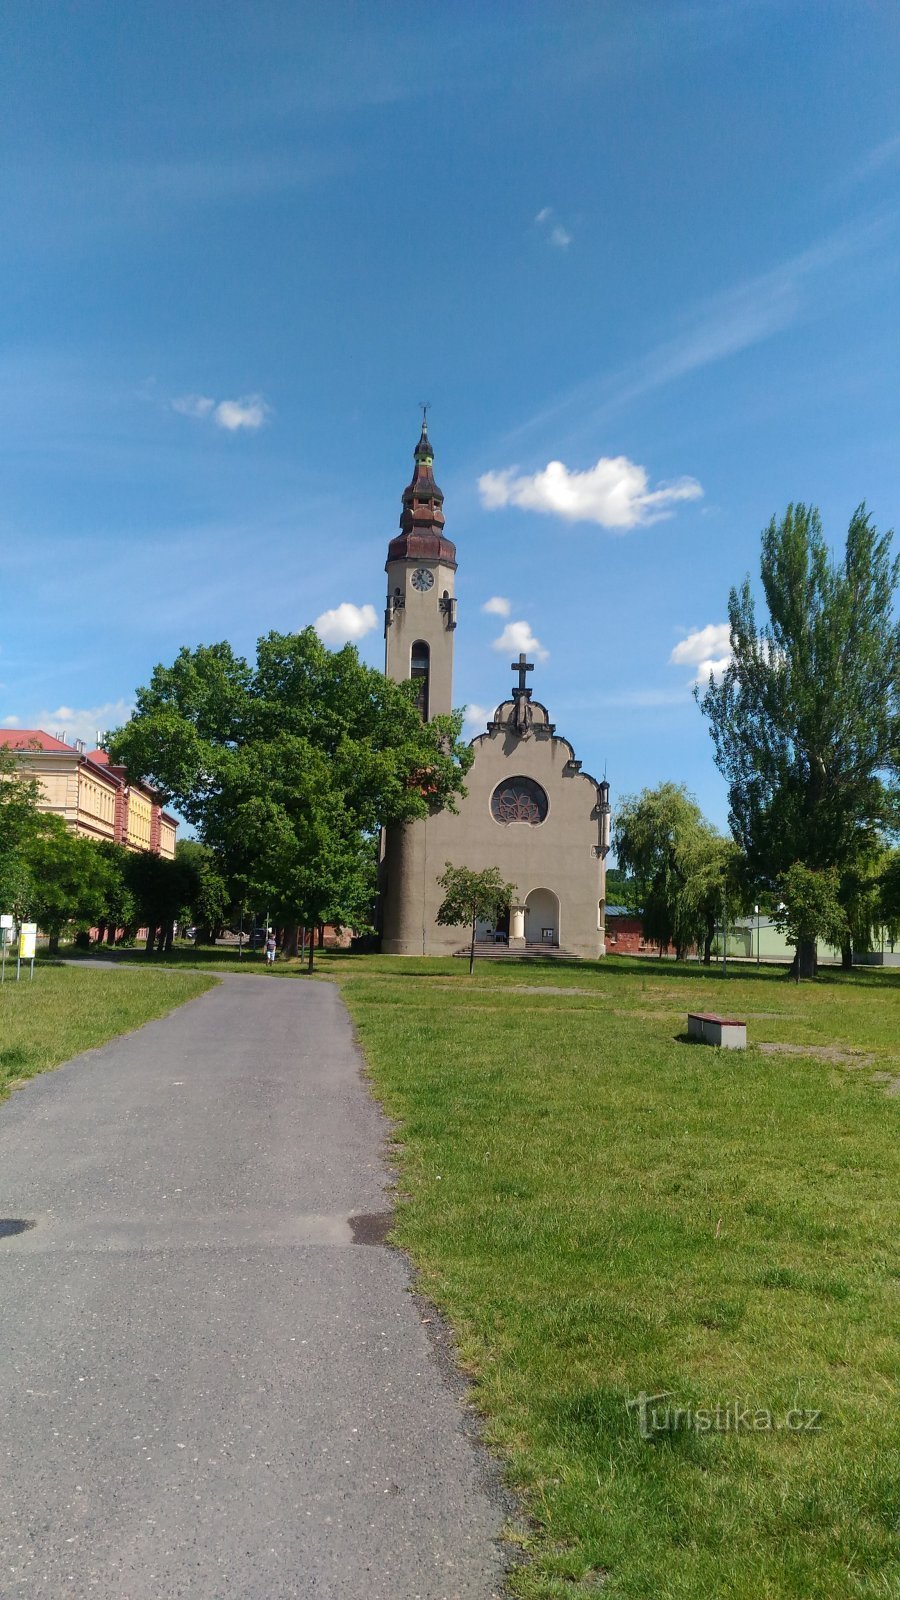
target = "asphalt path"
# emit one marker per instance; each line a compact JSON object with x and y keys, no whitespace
{"x":211,"y":1385}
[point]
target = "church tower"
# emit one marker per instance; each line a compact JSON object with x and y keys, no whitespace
{"x":420,"y":616}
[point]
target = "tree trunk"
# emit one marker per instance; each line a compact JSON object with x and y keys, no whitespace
{"x":53,"y":944}
{"x":151,"y":940}
{"x":310,"y":951}
{"x":707,"y":942}
{"x":111,"y":933}
{"x":101,"y":931}
{"x":472,"y":948}
{"x":169,"y":937}
{"x":321,"y":935}
{"x":292,"y":939}
{"x":847,"y":955}
{"x":805,"y":964}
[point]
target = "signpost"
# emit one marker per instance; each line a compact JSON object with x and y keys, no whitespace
{"x":7,"y":924}
{"x":27,"y":947}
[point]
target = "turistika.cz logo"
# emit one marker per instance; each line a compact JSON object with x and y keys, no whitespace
{"x":656,"y":1415}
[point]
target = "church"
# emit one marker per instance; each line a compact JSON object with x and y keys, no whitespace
{"x":529,"y":809}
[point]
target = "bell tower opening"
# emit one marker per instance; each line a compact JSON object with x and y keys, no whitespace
{"x":420,"y":614}
{"x":420,"y":672}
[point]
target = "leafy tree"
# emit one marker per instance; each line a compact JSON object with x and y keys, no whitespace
{"x":290,"y":767}
{"x":682,"y":869}
{"x":157,"y":888}
{"x":469,"y":895}
{"x":69,"y":880}
{"x":889,"y":895}
{"x":621,"y":890}
{"x":806,"y":718}
{"x":205,"y":897}
{"x":119,"y":909}
{"x":21,"y":823}
{"x":860,"y":895}
{"x":811,"y":909}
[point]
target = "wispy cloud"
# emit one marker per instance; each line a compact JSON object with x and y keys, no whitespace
{"x":250,"y":412}
{"x":727,"y":323}
{"x":497,"y":606}
{"x":885,"y":154}
{"x":615,"y":493}
{"x":707,"y":650}
{"x":345,"y":623}
{"x":518,"y":637}
{"x":552,"y":228}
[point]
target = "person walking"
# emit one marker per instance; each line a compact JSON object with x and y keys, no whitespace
{"x":270,"y":950}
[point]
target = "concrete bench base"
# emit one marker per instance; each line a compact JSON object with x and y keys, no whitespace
{"x":711,"y":1029}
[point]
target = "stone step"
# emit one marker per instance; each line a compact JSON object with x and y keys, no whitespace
{"x":531,"y":952}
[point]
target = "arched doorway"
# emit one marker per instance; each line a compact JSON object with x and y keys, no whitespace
{"x":542,"y":917}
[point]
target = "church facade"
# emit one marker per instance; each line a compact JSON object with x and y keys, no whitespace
{"x":530,"y":810}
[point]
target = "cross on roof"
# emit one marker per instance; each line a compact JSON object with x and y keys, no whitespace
{"x":521,"y":667}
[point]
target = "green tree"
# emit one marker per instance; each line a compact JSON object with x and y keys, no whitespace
{"x":119,"y":910}
{"x":21,"y":823}
{"x":810,"y":909}
{"x":469,"y":895}
{"x":290,"y":767}
{"x":204,"y":893}
{"x":682,"y":869}
{"x":889,"y":895}
{"x":69,"y":881}
{"x":156,"y":886}
{"x":806,"y":718}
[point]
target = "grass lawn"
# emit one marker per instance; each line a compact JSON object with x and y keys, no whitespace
{"x":69,"y":1009}
{"x":603,"y":1210}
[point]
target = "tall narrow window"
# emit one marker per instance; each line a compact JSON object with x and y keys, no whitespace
{"x":420,"y":672}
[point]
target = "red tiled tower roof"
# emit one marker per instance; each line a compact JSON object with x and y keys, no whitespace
{"x":422,"y":519}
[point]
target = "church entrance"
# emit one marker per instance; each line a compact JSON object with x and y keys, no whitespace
{"x":542,"y":917}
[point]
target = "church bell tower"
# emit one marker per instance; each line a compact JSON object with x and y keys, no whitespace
{"x":420,"y":616}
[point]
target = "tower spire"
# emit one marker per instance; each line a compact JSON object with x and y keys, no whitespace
{"x":422,"y":518}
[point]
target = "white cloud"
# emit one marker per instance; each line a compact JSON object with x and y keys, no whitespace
{"x":557,"y":235}
{"x":73,"y":723}
{"x":345,"y":623}
{"x":193,"y":405}
{"x":477,"y":719}
{"x":10,"y":722}
{"x":518,"y":637}
{"x":497,"y":606}
{"x":707,"y":649}
{"x":615,"y":493}
{"x":250,"y":411}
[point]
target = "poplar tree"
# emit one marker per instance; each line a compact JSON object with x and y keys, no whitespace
{"x":806,"y":717}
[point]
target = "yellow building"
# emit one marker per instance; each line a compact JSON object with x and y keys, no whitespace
{"x":93,"y":798}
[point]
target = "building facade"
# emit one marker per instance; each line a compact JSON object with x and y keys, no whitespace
{"x":93,"y":798}
{"x":529,"y":810}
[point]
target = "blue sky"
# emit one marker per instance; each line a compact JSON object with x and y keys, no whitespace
{"x":654,"y":243}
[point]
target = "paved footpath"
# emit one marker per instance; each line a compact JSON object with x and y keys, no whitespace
{"x":207,"y":1388}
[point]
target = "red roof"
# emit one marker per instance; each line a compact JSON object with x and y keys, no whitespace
{"x":27,"y":738}
{"x":99,"y":758}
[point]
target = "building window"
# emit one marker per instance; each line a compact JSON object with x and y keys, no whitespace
{"x":420,"y":672}
{"x":519,"y":800}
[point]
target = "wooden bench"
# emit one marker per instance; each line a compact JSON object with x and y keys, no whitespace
{"x":709,"y":1028}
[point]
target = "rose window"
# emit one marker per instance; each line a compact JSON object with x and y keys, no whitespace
{"x":519,"y":800}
